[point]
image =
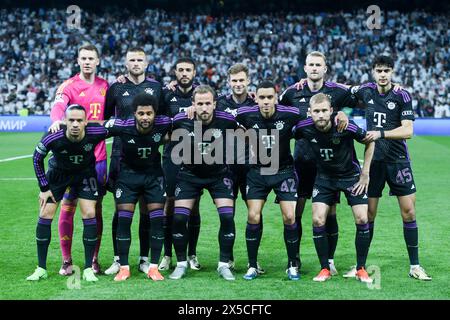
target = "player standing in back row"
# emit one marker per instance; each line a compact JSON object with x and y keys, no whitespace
{"x":390,"y":117}
{"x":175,"y":102}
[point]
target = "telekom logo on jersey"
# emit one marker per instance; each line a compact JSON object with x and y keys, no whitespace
{"x":209,"y":147}
{"x":379,"y":118}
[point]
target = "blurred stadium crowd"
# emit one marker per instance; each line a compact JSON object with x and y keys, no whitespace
{"x":38,"y":50}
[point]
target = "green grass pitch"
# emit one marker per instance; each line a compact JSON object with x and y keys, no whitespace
{"x":431,"y":159}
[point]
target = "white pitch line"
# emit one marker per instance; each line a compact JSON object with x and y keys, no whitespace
{"x":30,"y":155}
{"x":16,"y":158}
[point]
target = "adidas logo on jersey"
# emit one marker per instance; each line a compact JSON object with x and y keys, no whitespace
{"x":82,"y":94}
{"x":314,"y":140}
{"x":174,"y":99}
{"x":255,"y":126}
{"x":365,"y":196}
{"x":413,"y":187}
{"x":64,"y":151}
{"x":131,"y":141}
{"x":302,"y":100}
{"x":370,"y":101}
{"x":191,"y":134}
{"x":125,"y":94}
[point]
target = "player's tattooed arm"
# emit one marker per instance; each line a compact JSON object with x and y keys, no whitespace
{"x":363,"y":183}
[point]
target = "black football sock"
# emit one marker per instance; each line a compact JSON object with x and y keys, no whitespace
{"x":89,"y":240}
{"x":291,"y":240}
{"x":411,"y":234}
{"x":371,"y":229}
{"x":362,"y":245}
{"x":168,"y":222}
{"x":124,"y":235}
{"x":332,"y":229}
{"x":115,"y":221}
{"x":193,"y":233}
{"x":156,"y":234}
{"x":144,"y":241}
{"x":321,"y":244}
{"x":298,"y":222}
{"x":43,"y":237}
{"x":252,"y":234}
{"x":179,"y":232}
{"x":226,"y":233}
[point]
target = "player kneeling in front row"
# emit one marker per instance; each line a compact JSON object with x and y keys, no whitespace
{"x":72,"y":165}
{"x":337,"y":170}
{"x":140,"y":175}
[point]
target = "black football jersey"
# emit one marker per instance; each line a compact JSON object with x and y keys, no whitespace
{"x":68,"y":156}
{"x":339,"y":95}
{"x":140,"y":152}
{"x":335,"y":152}
{"x":119,"y":99}
{"x":226,"y":103}
{"x":176,"y":101}
{"x":281,"y":121}
{"x":201,"y":145}
{"x":386,"y":111}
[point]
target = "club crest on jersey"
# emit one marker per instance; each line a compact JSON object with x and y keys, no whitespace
{"x":149,"y":91}
{"x":102,"y":92}
{"x":354,"y":89}
{"x":88,"y":147}
{"x":336,"y":140}
{"x":279,"y":125}
{"x":118,"y":193}
{"x":157,"y":137}
{"x":391,"y":105}
{"x":315,"y":192}
{"x":217,"y":133}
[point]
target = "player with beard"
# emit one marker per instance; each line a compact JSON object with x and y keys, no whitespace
{"x":194,"y":176}
{"x":338,"y":170}
{"x":119,"y":99}
{"x":176,"y":101}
